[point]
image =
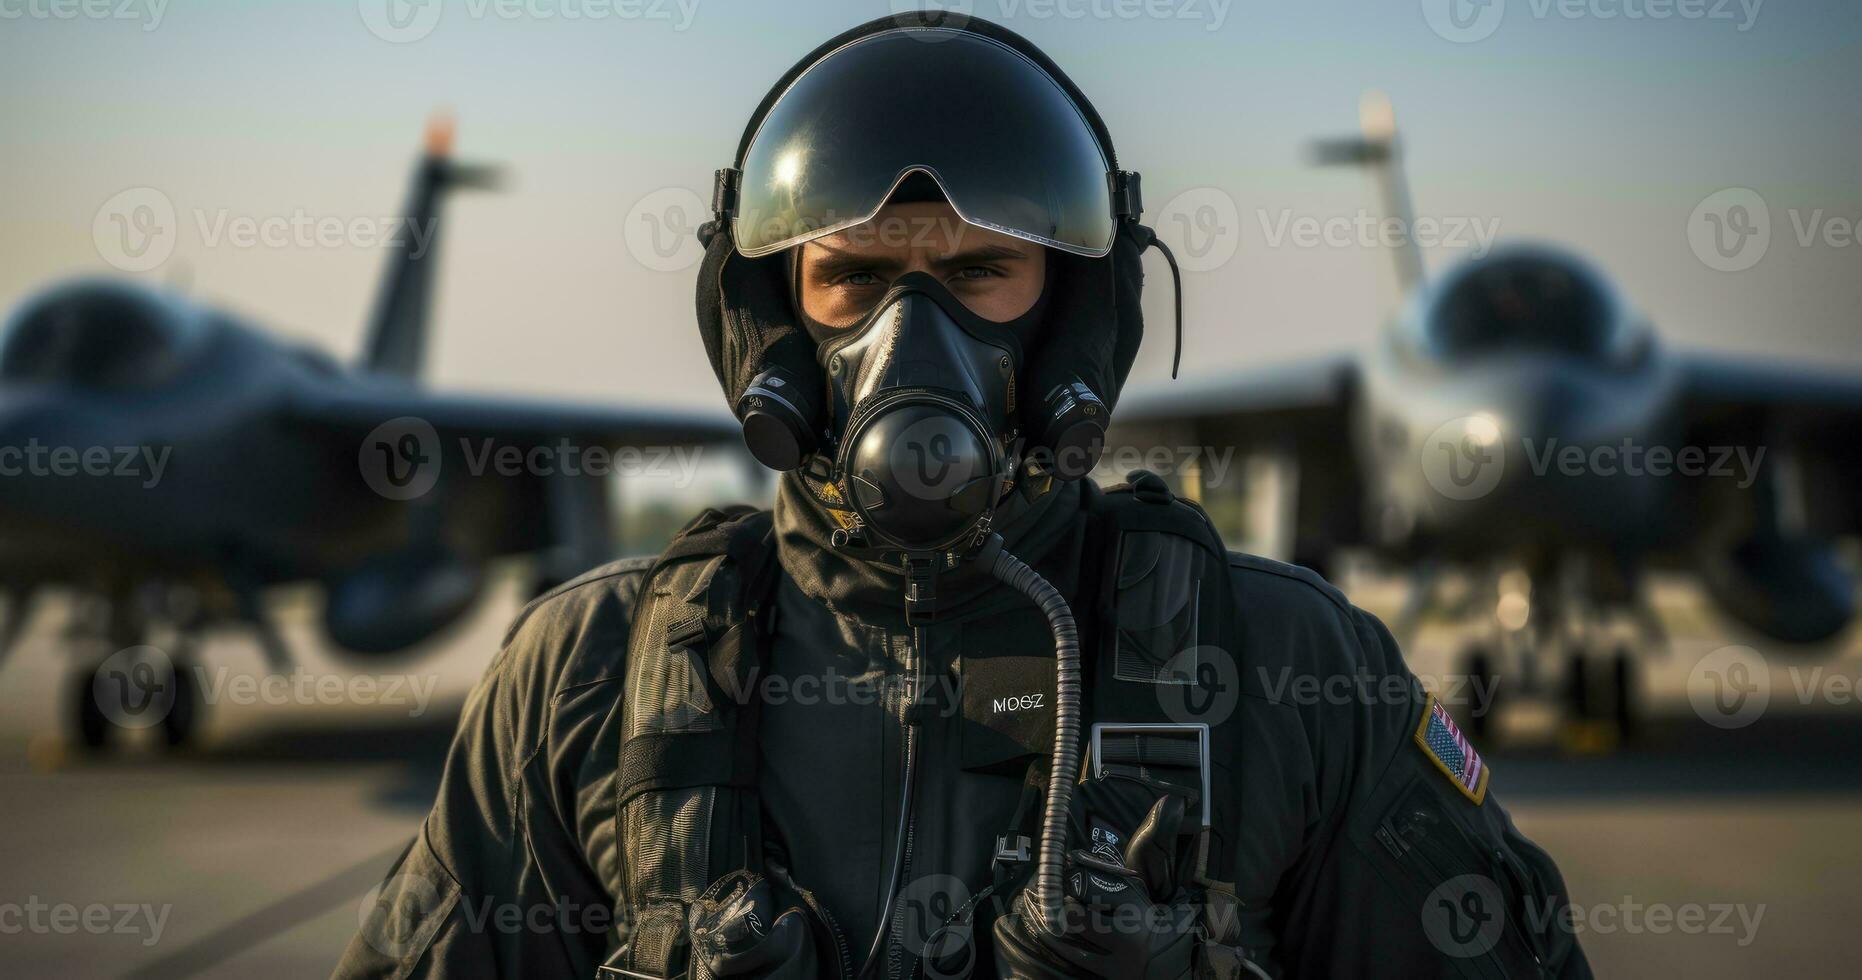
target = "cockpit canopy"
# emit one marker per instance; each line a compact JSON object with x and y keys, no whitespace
{"x":1528,"y":300}
{"x":97,"y":335}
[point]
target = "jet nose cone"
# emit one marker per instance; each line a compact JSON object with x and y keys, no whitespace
{"x":1531,"y":452}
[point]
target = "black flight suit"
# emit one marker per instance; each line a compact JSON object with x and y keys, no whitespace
{"x":1352,"y":846}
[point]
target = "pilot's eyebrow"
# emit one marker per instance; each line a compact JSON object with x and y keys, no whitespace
{"x":986,"y":253}
{"x":838,"y":262}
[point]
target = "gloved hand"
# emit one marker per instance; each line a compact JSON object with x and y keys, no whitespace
{"x":736,"y":933}
{"x":1125,"y":915}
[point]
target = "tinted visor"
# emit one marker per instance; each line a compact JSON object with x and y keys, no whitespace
{"x":1008,"y":147}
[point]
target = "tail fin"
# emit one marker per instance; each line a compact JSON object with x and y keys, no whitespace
{"x":1381,"y":151}
{"x":397,"y":332}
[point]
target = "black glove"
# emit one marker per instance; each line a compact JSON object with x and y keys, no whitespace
{"x":1125,"y":914}
{"x":736,"y":933}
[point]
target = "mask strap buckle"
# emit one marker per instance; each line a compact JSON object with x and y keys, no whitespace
{"x":724,"y":185}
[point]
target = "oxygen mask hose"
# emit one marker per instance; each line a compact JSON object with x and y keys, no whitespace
{"x":1065,"y":770}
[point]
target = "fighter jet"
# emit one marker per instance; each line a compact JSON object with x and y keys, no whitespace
{"x":167,"y":463}
{"x":1522,"y":445}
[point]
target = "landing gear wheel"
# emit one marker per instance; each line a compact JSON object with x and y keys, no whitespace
{"x":1590,"y":727}
{"x":179,"y":724}
{"x":89,"y":724}
{"x":135,"y":688}
{"x":1577,"y":688}
{"x":1483,"y":690}
{"x":1624,"y":674}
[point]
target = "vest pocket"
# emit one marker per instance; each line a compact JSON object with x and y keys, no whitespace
{"x":1158,"y":606}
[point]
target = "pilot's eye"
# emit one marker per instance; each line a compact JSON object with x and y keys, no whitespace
{"x":975,"y":273}
{"x":860,"y":279}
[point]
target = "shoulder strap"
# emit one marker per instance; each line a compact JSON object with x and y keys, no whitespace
{"x":686,"y":805}
{"x":1165,"y":674}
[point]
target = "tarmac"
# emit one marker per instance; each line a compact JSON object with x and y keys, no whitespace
{"x":1695,"y":850}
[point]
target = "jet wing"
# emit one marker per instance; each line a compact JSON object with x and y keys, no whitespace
{"x":1256,"y":403}
{"x":1807,"y":421}
{"x":510,"y":421}
{"x":1299,"y":412}
{"x":506,"y":476}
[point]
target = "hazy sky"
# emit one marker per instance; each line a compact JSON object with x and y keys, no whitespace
{"x":1600,"y":124}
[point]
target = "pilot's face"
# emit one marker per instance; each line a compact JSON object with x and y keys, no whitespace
{"x":843,"y":276}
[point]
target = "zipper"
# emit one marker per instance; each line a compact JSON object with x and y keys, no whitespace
{"x":843,"y":954}
{"x":895,"y":954}
{"x":1435,"y":867}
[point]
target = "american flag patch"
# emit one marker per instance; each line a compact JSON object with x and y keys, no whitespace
{"x":1451,"y":753}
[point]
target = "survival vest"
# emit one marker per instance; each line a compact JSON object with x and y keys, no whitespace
{"x":1161,"y":678}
